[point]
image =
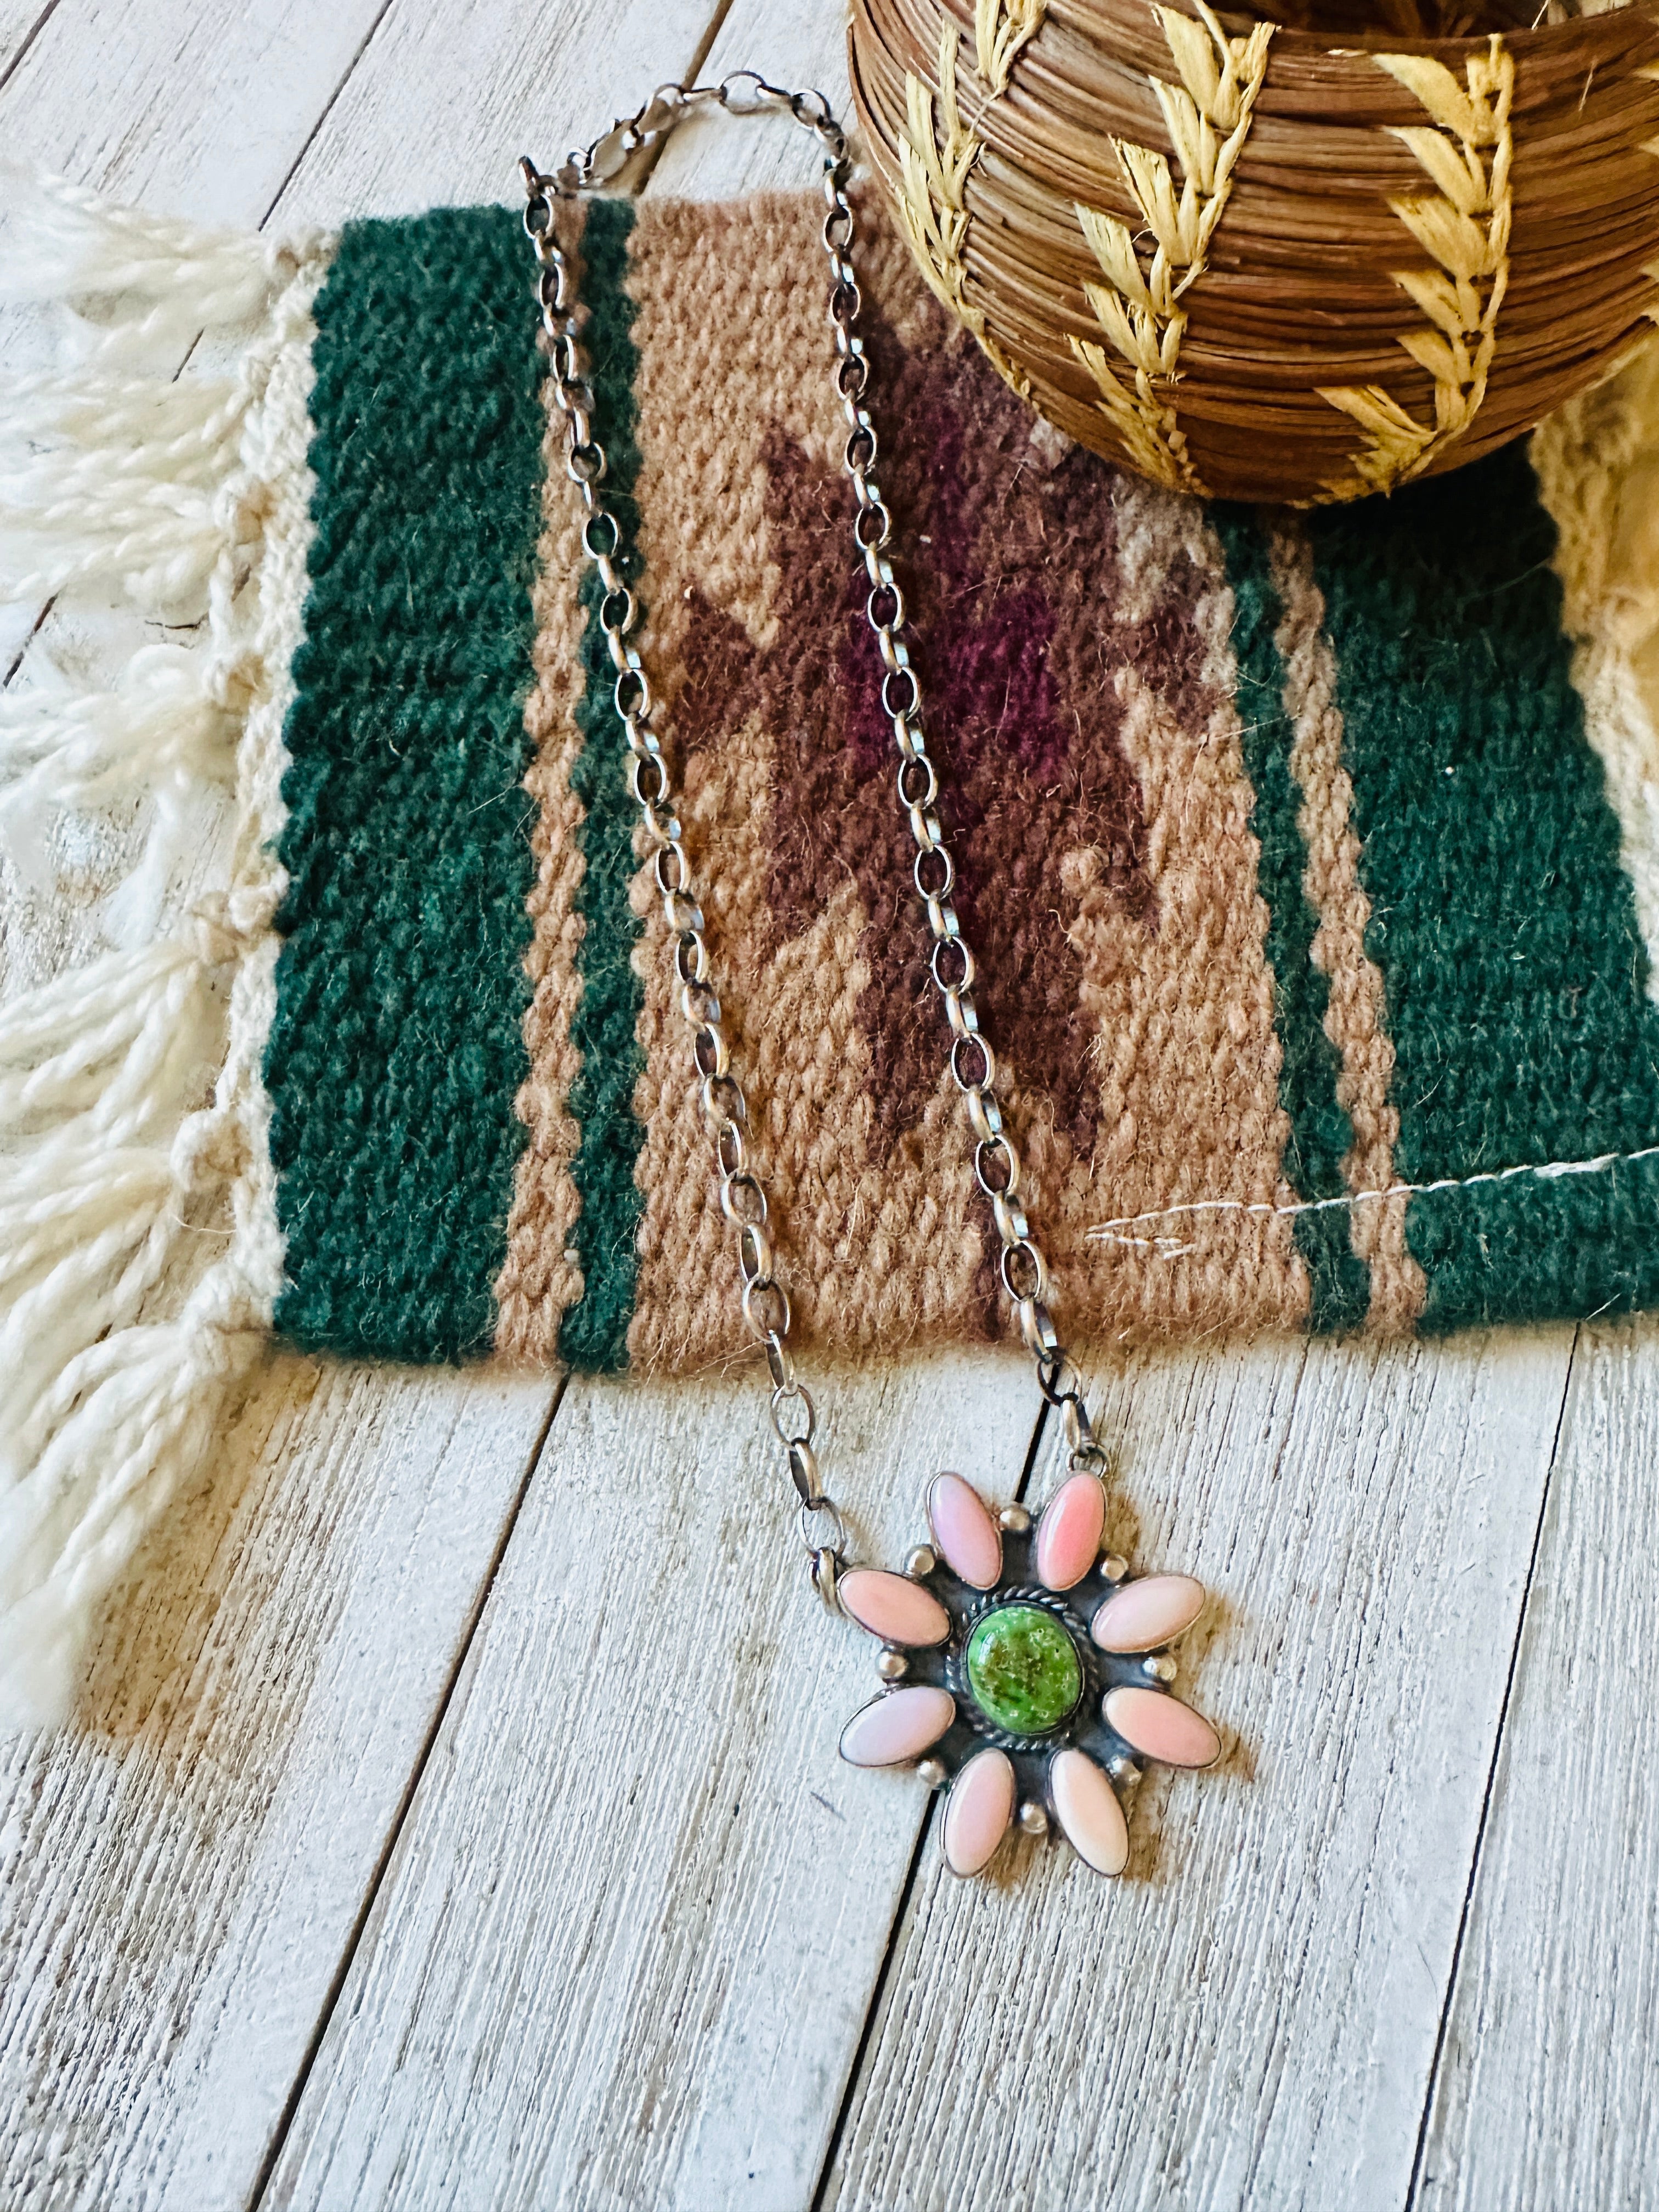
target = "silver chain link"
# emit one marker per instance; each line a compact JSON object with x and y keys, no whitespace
{"x":766,"y":1308}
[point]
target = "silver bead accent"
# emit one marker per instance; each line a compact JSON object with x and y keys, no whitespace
{"x":1124,"y":1769}
{"x":1162,"y":1669}
{"x":921,"y":1561}
{"x":892,"y":1666}
{"x":1015,"y":1521}
{"x":931,"y":1771}
{"x":1033,"y":1818}
{"x":1114,"y":1567}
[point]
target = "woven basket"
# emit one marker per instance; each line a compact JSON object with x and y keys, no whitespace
{"x":1265,"y":260}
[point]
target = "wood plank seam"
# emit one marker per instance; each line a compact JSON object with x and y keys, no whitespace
{"x":29,"y":38}
{"x":6,"y":75}
{"x":924,"y":1830}
{"x":1436,"y":2059}
{"x":395,"y":1826}
{"x":22,"y":655}
{"x":328,"y":107}
{"x":705,"y":46}
{"x":1545,"y":2094}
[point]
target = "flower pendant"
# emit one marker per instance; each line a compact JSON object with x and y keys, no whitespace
{"x":1026,"y":1670}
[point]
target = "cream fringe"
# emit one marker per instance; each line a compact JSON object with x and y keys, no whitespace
{"x":140,"y":1255}
{"x":1597,"y":463}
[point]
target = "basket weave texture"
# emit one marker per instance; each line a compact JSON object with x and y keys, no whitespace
{"x":1253,"y":262}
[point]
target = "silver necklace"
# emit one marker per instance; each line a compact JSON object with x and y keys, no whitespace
{"x":1019,"y":1664}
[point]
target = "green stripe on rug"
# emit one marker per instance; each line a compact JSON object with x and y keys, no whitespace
{"x":1502,"y":920}
{"x":397,"y":1048}
{"x":604,"y":1028}
{"x":1321,"y":1134}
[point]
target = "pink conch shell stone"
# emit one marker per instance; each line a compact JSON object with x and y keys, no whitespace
{"x":893,"y":1607}
{"x":897,"y":1726}
{"x":1068,"y":1534}
{"x":1086,"y":1806}
{"x":1144,"y":1615}
{"x":1162,"y":1727}
{"x":970,"y":1542}
{"x":978,"y":1810}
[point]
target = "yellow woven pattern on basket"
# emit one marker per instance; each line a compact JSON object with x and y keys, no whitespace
{"x":1140,"y":312}
{"x":1464,"y":227}
{"x":936,"y":153}
{"x":1001,"y":28}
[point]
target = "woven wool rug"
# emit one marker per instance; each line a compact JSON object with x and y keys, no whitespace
{"x":1312,"y":862}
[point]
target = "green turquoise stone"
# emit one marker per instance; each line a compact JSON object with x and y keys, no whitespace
{"x":1022,"y":1670}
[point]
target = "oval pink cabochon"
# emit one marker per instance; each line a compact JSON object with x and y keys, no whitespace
{"x":897,"y":1726}
{"x":970,"y":1542}
{"x":1068,"y":1534}
{"x":1086,"y":1806}
{"x":1145,"y":1614}
{"x":1162,"y":1727}
{"x":978,"y":1811}
{"x":893,"y":1607}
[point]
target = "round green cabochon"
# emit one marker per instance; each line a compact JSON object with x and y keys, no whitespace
{"x":1022,"y":1670}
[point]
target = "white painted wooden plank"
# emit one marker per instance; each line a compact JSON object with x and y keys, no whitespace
{"x":180,"y":1873}
{"x":449,"y":97}
{"x":198,"y":111}
{"x":1548,"y":2092}
{"x":625,"y":1948}
{"x":1249,"y":2017}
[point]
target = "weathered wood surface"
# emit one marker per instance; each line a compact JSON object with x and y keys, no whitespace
{"x":200,"y":111}
{"x":624,"y":1952}
{"x":1249,"y":2018}
{"x":180,"y":1876}
{"x":446,"y":98}
{"x":1548,"y":2086}
{"x":448,"y":1825}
